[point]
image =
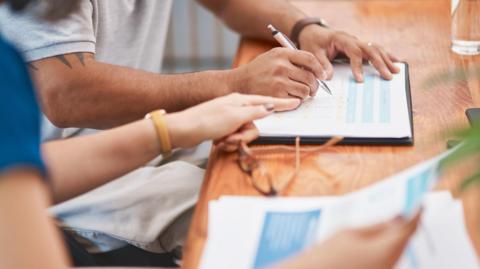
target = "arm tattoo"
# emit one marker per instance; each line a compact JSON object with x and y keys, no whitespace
{"x":80,"y":58}
{"x":32,"y":66}
{"x":64,"y":60}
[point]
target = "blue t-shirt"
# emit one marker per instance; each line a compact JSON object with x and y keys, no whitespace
{"x":19,"y":113}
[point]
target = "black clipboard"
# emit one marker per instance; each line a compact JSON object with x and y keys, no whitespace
{"x":381,"y":141}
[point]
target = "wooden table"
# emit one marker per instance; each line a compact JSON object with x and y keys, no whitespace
{"x":417,"y":32}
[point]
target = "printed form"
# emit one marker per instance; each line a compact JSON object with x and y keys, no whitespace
{"x":257,"y":232}
{"x":376,"y":108}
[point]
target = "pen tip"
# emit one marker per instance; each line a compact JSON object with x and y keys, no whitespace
{"x":271,"y":28}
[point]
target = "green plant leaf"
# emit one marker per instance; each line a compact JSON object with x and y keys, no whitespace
{"x":449,"y":76}
{"x":470,"y":146}
{"x":474,"y":179}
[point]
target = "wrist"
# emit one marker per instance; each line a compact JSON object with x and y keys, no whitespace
{"x":150,"y":137}
{"x":315,"y":33}
{"x":234,"y":80}
{"x":182,"y":131}
{"x":157,"y":117}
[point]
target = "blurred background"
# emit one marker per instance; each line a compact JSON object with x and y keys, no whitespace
{"x":197,"y":40}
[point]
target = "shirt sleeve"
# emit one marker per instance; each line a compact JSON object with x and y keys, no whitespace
{"x":38,"y":39}
{"x":19,"y":114}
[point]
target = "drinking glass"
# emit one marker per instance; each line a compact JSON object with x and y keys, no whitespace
{"x":466,"y":27}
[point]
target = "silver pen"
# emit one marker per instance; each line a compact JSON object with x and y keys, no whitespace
{"x":285,"y":42}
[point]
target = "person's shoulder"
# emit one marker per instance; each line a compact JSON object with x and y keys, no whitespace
{"x":15,"y":83}
{"x":7,"y":47}
{"x":9,"y":57}
{"x":19,"y":112}
{"x":12,"y":66}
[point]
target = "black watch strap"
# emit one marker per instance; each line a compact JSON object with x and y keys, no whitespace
{"x":298,"y":27}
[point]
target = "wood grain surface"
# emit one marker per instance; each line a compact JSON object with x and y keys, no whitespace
{"x":417,"y":32}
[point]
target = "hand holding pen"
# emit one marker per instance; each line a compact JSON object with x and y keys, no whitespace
{"x":279,"y":72}
{"x":283,"y":40}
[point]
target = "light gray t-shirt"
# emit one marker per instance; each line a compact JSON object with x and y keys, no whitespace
{"x":130,"y":33}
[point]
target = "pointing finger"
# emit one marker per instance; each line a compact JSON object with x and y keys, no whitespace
{"x":327,"y":65}
{"x":280,"y":104}
{"x":355,"y":54}
{"x":373,"y":54}
{"x":389,"y":61}
{"x":308,"y":61}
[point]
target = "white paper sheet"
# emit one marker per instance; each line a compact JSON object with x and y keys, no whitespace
{"x":374,"y":109}
{"x":454,"y":5}
{"x":243,"y":232}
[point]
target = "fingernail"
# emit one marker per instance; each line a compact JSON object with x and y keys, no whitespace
{"x":269,"y":107}
{"x":324,"y":75}
{"x":299,"y":103}
{"x":233,"y":139}
{"x":389,"y":75}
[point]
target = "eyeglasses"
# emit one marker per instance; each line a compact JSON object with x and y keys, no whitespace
{"x":258,"y":173}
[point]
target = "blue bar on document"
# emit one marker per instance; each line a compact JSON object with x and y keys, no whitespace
{"x":351,"y":100}
{"x":285,"y":234}
{"x":412,"y":258}
{"x":417,"y":186}
{"x":385,"y":101}
{"x":368,"y":87}
{"x":412,"y":196}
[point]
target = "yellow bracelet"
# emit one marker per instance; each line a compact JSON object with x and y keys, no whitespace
{"x":158,"y":120}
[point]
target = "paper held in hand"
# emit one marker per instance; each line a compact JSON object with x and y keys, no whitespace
{"x":251,"y":232}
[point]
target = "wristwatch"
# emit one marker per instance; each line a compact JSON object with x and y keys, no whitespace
{"x":298,"y":27}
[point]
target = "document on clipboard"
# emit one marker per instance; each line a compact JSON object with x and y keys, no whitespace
{"x":376,"y":111}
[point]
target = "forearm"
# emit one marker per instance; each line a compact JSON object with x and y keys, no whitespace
{"x":29,"y":238}
{"x":80,"y":164}
{"x":251,"y":17}
{"x":99,"y":95}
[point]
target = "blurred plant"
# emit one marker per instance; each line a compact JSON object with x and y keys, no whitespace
{"x":457,"y":75}
{"x":470,"y":146}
